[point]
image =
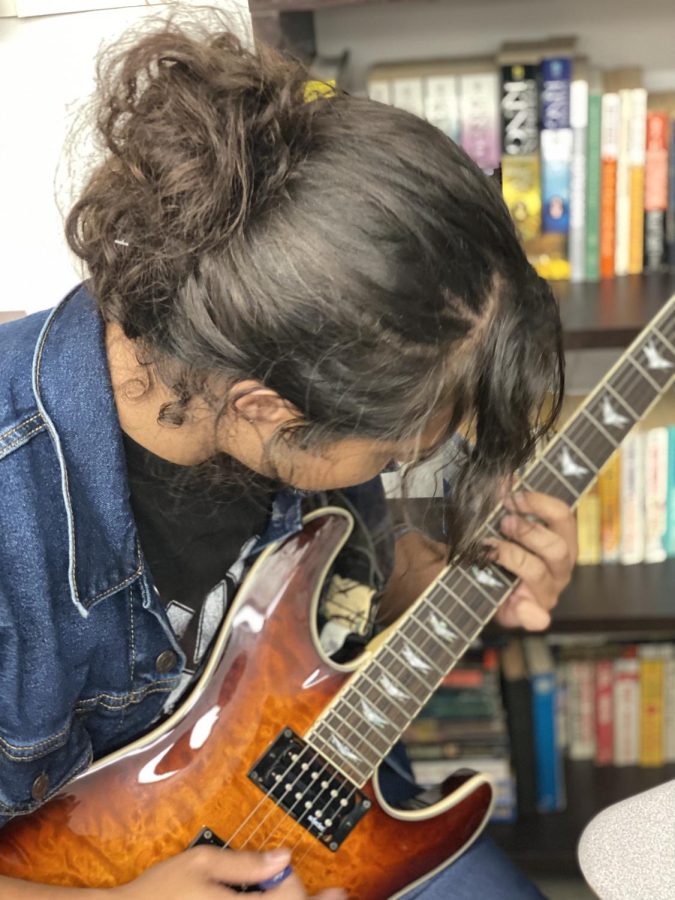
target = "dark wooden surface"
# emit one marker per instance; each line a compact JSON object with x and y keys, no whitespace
{"x":612,"y":312}
{"x":546,"y":844}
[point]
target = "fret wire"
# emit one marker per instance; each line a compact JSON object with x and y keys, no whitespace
{"x":436,"y":649}
{"x":664,"y":339}
{"x":600,"y":427}
{"x":629,"y":409}
{"x":352,"y":710}
{"x":576,"y":449}
{"x":363,"y":699}
{"x":418,"y":651}
{"x":470,"y":611}
{"x":436,"y":611}
{"x":361,"y":738}
{"x":402,"y":670}
{"x":406,"y":668}
{"x":421,"y":650}
{"x":338,"y":760}
{"x":437,"y":640}
{"x":467,"y":594}
{"x":474,"y":581}
{"x":560,"y":476}
{"x":598,"y":446}
{"x":645,"y":374}
{"x":453,"y":625}
{"x":365,"y":675}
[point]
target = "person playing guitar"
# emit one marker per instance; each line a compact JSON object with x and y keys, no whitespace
{"x":282,"y":298}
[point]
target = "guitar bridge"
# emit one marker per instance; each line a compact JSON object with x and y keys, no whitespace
{"x":309,"y":789}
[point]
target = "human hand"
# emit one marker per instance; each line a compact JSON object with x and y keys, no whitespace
{"x":542,"y":554}
{"x":203,"y":873}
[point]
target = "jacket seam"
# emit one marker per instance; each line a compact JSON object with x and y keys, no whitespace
{"x":18,"y":427}
{"x":133,"y":697}
{"x":4,"y":450}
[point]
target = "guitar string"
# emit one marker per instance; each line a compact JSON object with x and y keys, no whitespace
{"x":586,"y":426}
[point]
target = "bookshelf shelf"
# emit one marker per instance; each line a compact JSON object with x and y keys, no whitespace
{"x":543,"y":844}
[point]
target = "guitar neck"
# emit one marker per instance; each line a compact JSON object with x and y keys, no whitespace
{"x":384,"y":696}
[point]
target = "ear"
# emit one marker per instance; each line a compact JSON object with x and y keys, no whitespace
{"x":261,"y":405}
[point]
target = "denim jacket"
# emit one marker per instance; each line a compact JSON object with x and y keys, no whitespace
{"x":87,"y":654}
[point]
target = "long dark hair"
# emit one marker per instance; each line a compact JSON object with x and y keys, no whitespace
{"x":342,"y":252}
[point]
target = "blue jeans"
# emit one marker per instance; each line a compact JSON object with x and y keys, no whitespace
{"x":484,"y":872}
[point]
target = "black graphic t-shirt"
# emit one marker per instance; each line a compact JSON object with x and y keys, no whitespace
{"x":193,"y":529}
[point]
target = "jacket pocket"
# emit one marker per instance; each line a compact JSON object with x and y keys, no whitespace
{"x":32,"y":773}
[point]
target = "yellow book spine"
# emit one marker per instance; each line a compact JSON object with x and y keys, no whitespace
{"x":609,"y":488}
{"x":651,"y":712}
{"x":637,"y":220}
{"x":588,"y":528}
{"x":521,"y":187}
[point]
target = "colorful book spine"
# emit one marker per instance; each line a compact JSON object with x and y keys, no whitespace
{"x":550,"y":794}
{"x":609,"y":489}
{"x":609,"y":150}
{"x":588,"y":528}
{"x":637,"y":130}
{"x":441,"y":103}
{"x":479,"y":116}
{"x":556,"y":145}
{"x":626,"y":711}
{"x":604,"y":712}
{"x":670,"y":503}
{"x":407,"y":94}
{"x":579,"y":123}
{"x":581,"y":708}
{"x":593,"y":175}
{"x":670,"y":218}
{"x":652,"y":668}
{"x":632,"y":499}
{"x":656,"y":494}
{"x":622,"y":233}
{"x":520,"y":141}
{"x":656,"y":190}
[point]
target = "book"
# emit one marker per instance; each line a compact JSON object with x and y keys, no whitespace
{"x":670,"y":502}
{"x":632,"y":548}
{"x":579,"y":170}
{"x":593,"y":175}
{"x":627,"y":709}
{"x":656,"y":190}
{"x":656,"y":494}
{"x":604,"y":712}
{"x":521,"y":185}
{"x":378,"y":89}
{"x":407,"y":94}
{"x":549,"y":769}
{"x":588,"y":527}
{"x":652,"y":670}
{"x":622,"y":232}
{"x":441,"y":103}
{"x":609,"y":490}
{"x":609,"y":152}
{"x":637,"y":127}
{"x":556,"y":140}
{"x":519,"y":708}
{"x":580,"y":708}
{"x":670,"y":214}
{"x":669,"y":708}
{"x":479,"y":118}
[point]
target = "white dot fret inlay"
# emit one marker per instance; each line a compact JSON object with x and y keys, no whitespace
{"x":654,"y":358}
{"x":344,"y":749}
{"x":415,"y":661}
{"x":392,"y":689}
{"x":372,"y":715}
{"x":441,"y":628}
{"x":569,"y":467}
{"x":610,"y":416}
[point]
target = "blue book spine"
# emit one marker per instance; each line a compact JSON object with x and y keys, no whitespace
{"x":670,"y":503}
{"x":550,"y":785}
{"x":556,"y":77}
{"x":556,"y":144}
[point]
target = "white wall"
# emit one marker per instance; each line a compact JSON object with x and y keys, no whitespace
{"x":611,"y":32}
{"x":46,"y":70}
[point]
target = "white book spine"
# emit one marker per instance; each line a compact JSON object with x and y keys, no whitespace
{"x":379,"y":89}
{"x":656,"y":493}
{"x":577,"y":233}
{"x":609,"y":128}
{"x":480,"y":123}
{"x":407,"y":93}
{"x":632,"y":500}
{"x":622,"y":238}
{"x":580,"y":676}
{"x":441,"y":103}
{"x":626,"y":712}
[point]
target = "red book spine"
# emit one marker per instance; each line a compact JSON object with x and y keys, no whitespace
{"x":604,"y":713}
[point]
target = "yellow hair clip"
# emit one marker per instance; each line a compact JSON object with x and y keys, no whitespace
{"x":316,"y":89}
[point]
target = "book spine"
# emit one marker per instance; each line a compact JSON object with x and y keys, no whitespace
{"x":656,"y":190}
{"x":379,"y":90}
{"x":579,"y":122}
{"x":556,"y":145}
{"x":580,"y":709}
{"x":521,"y":184}
{"x":604,"y":712}
{"x":609,"y":489}
{"x":622,"y":235}
{"x":593,"y":187}
{"x":637,"y":130}
{"x":670,"y":217}
{"x":656,"y":494}
{"x":609,"y":149}
{"x":670,"y":523}
{"x":669,"y":708}
{"x":632,"y":500}
{"x":588,"y":528}
{"x":651,"y":711}
{"x":441,"y":104}
{"x":407,"y":94}
{"x":626,"y":711}
{"x":550,"y":787}
{"x":480,"y":124}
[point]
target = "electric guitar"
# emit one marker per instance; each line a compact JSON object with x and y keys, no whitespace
{"x":278,"y":745}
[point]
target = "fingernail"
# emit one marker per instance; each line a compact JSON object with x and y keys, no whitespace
{"x":509,"y":523}
{"x":278,"y":856}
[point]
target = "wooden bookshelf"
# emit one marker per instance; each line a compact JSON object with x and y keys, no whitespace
{"x":546,"y":844}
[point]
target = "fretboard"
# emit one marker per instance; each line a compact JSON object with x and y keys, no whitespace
{"x":387,"y":692}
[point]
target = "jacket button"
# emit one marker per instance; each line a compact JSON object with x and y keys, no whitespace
{"x":40,"y":787}
{"x":165,"y":662}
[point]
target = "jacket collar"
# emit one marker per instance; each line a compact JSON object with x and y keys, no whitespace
{"x":72,"y":387}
